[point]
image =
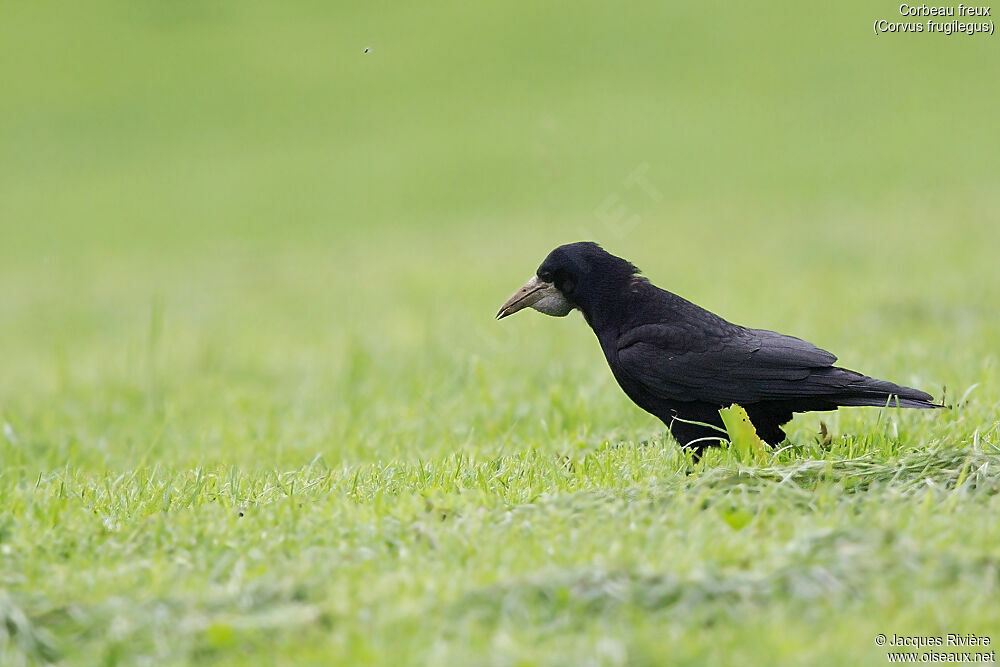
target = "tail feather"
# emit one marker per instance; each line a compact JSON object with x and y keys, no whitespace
{"x":863,"y":390}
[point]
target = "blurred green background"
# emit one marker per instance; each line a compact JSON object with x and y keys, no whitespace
{"x":217,"y":199}
{"x":233,"y":241}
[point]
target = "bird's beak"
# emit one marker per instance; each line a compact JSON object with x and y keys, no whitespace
{"x":531,"y":293}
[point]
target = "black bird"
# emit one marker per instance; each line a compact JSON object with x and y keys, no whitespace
{"x":682,"y":363}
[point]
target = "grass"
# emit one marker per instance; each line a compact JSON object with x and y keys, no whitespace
{"x":254,"y":407}
{"x":612,"y":555}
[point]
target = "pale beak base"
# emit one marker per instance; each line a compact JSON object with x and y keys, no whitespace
{"x":543,"y":296}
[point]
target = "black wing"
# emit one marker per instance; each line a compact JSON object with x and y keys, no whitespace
{"x":721,"y":363}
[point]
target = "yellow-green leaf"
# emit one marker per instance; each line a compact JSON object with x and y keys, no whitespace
{"x":743,"y":436}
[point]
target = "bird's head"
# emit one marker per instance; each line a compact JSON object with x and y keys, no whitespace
{"x":575,"y":275}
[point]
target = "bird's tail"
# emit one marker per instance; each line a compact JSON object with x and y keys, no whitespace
{"x":864,"y":390}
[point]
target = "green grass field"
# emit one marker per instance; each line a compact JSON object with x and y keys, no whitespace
{"x":254,"y":407}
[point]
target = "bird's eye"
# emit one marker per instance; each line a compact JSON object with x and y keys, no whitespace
{"x":545,"y":276}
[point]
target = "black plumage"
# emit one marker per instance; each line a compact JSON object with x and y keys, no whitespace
{"x":683,"y":363}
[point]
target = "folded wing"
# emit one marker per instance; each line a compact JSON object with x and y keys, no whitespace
{"x":722,"y":363}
